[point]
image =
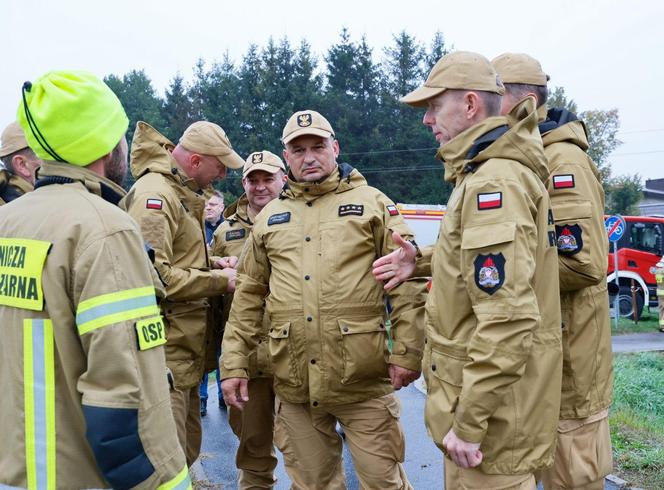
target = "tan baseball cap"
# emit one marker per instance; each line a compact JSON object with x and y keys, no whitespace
{"x":306,"y":122}
{"x":12,"y":139}
{"x":208,"y":138}
{"x":519,"y":68}
{"x":263,"y":160}
{"x":461,"y":70}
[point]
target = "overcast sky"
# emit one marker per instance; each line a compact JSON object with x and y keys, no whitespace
{"x":606,"y":53}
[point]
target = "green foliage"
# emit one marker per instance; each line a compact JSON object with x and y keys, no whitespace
{"x":623,"y":194}
{"x":637,"y":418}
{"x":357,"y":92}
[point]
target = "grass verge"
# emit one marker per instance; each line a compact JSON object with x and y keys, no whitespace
{"x":637,"y":419}
{"x":649,"y":322}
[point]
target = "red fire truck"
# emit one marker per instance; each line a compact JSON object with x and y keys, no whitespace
{"x":639,"y":249}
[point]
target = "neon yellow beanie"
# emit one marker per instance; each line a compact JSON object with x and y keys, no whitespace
{"x":71,"y":116}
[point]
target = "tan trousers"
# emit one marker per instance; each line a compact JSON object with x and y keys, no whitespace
{"x":473,"y":479}
{"x":308,"y":438}
{"x":186,"y":406}
{"x":583,"y":455}
{"x":254,"y":426}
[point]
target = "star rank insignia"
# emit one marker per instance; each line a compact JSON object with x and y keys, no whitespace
{"x":351,"y":210}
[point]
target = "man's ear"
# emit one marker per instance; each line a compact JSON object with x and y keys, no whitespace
{"x":471,"y":103}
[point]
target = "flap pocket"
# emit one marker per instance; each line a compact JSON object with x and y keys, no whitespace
{"x":571,"y":211}
{"x":280,"y":332}
{"x":488,"y":235}
{"x":447,"y":368}
{"x":348,"y":327}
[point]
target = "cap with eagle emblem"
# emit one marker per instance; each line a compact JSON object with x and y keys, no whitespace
{"x":306,"y":122}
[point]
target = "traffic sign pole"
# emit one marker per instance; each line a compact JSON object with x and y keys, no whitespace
{"x":615,"y":228}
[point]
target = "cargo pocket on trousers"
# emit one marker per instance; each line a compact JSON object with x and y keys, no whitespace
{"x":364,"y":350}
{"x":585,"y":447}
{"x":282,"y":355}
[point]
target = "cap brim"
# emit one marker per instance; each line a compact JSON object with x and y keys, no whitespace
{"x":419,"y":96}
{"x":232,"y":160}
{"x":264,"y":167}
{"x":307,"y":131}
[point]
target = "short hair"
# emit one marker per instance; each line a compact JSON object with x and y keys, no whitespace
{"x":7,"y":159}
{"x":490,"y":100}
{"x":217,"y":193}
{"x":519,"y":90}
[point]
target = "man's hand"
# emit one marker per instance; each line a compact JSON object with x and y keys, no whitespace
{"x":231,"y":275}
{"x":225,"y":263}
{"x":397,"y":266}
{"x":401,"y":376}
{"x":236,"y":392}
{"x":464,"y":454}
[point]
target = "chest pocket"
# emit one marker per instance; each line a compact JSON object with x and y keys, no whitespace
{"x":488,"y":258}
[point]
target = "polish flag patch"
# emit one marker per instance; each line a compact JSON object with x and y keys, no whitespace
{"x":489,"y":200}
{"x":154,"y":204}
{"x":565,"y":181}
{"x":392,"y":210}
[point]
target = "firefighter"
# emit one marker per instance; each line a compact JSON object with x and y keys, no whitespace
{"x":167,"y":202}
{"x":309,"y":259}
{"x":20,"y":162}
{"x":263,"y":177}
{"x":82,"y":370}
{"x":659,"y":277}
{"x":583,"y":451}
{"x":493,"y":358}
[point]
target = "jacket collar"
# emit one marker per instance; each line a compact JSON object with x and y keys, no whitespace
{"x":13,"y":186}
{"x":64,"y":173}
{"x":238,"y":211}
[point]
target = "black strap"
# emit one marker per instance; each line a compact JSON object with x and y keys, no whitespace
{"x":27,"y":86}
{"x":486,"y":140}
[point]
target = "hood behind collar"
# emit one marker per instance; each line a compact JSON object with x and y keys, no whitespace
{"x":238,"y":210}
{"x":514,"y":137}
{"x":344,"y":177}
{"x":562,"y":125}
{"x":10,"y":180}
{"x":151,"y":151}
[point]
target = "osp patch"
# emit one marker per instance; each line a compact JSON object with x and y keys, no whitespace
{"x":569,"y":239}
{"x":351,"y":210}
{"x":277,"y":219}
{"x":489,"y":272}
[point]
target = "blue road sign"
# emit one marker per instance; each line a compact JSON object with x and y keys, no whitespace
{"x":615,"y":227}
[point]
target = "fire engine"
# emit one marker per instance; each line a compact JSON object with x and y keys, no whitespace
{"x":639,"y":249}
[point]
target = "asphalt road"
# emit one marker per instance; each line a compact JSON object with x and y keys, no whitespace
{"x":424,"y":463}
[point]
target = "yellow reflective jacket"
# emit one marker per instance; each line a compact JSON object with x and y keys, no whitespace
{"x":12,"y":187}
{"x":229,"y":239}
{"x":309,"y":259}
{"x":577,"y":199}
{"x":168,"y":208}
{"x":493,"y":357}
{"x":85,"y":400}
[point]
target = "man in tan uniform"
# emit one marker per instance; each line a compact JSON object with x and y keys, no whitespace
{"x":82,"y":369}
{"x":263,"y":178}
{"x":659,"y":277}
{"x":167,"y":203}
{"x":493,"y":357}
{"x":308,"y":263}
{"x":583,"y":451}
{"x":20,"y":162}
